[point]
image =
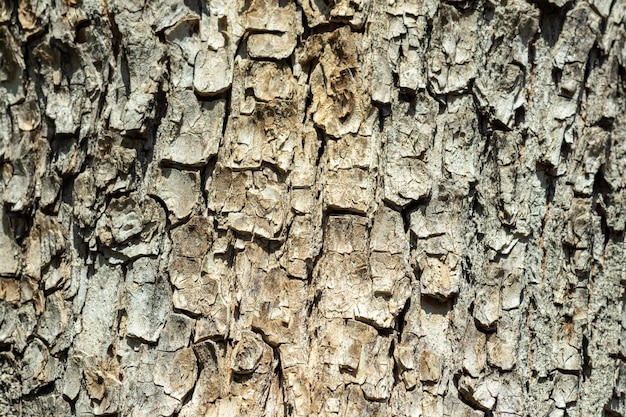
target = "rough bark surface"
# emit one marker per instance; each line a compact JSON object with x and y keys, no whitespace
{"x":296,"y":208}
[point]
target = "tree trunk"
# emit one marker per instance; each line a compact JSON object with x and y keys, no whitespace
{"x":279,"y":208}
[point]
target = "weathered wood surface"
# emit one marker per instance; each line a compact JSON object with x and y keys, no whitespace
{"x":279,"y":208}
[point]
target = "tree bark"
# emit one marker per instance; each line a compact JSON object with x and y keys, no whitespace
{"x":279,"y":208}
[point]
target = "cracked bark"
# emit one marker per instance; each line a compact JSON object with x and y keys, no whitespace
{"x":402,"y":208}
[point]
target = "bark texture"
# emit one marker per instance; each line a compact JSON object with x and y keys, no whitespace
{"x":296,"y":208}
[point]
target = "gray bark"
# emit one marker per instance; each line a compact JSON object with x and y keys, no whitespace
{"x":279,"y":208}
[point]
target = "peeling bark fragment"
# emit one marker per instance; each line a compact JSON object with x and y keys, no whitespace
{"x":349,"y":189}
{"x":456,"y":132}
{"x":438,"y":253}
{"x":589,"y":152}
{"x":207,"y":65}
{"x":269,"y":15}
{"x":11,"y":68}
{"x":270,"y":81}
{"x":450,"y":64}
{"x":510,"y":396}
{"x":502,"y":345}
{"x":340,"y":103}
{"x":201,"y":294}
{"x":267,"y":45}
{"x":486,"y":309}
{"x":482,"y":392}
{"x":301,"y":247}
{"x":113,"y":171}
{"x":500,"y":86}
{"x":99,"y":312}
{"x":569,"y":55}
{"x":38,"y":367}
{"x":176,"y":372}
{"x":131,"y":226}
{"x":102,"y":384}
{"x":175,"y":333}
{"x":475,"y":356}
{"x":208,"y":386}
{"x":9,"y":253}
{"x":179,"y":191}
{"x":280,"y":307}
{"x":407,"y":180}
{"x":146,"y":290}
{"x":192,"y":134}
{"x":184,"y":43}
{"x":54,"y":322}
{"x":142,"y":67}
{"x":505,"y":93}
{"x":28,"y":115}
{"x":258,"y":211}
